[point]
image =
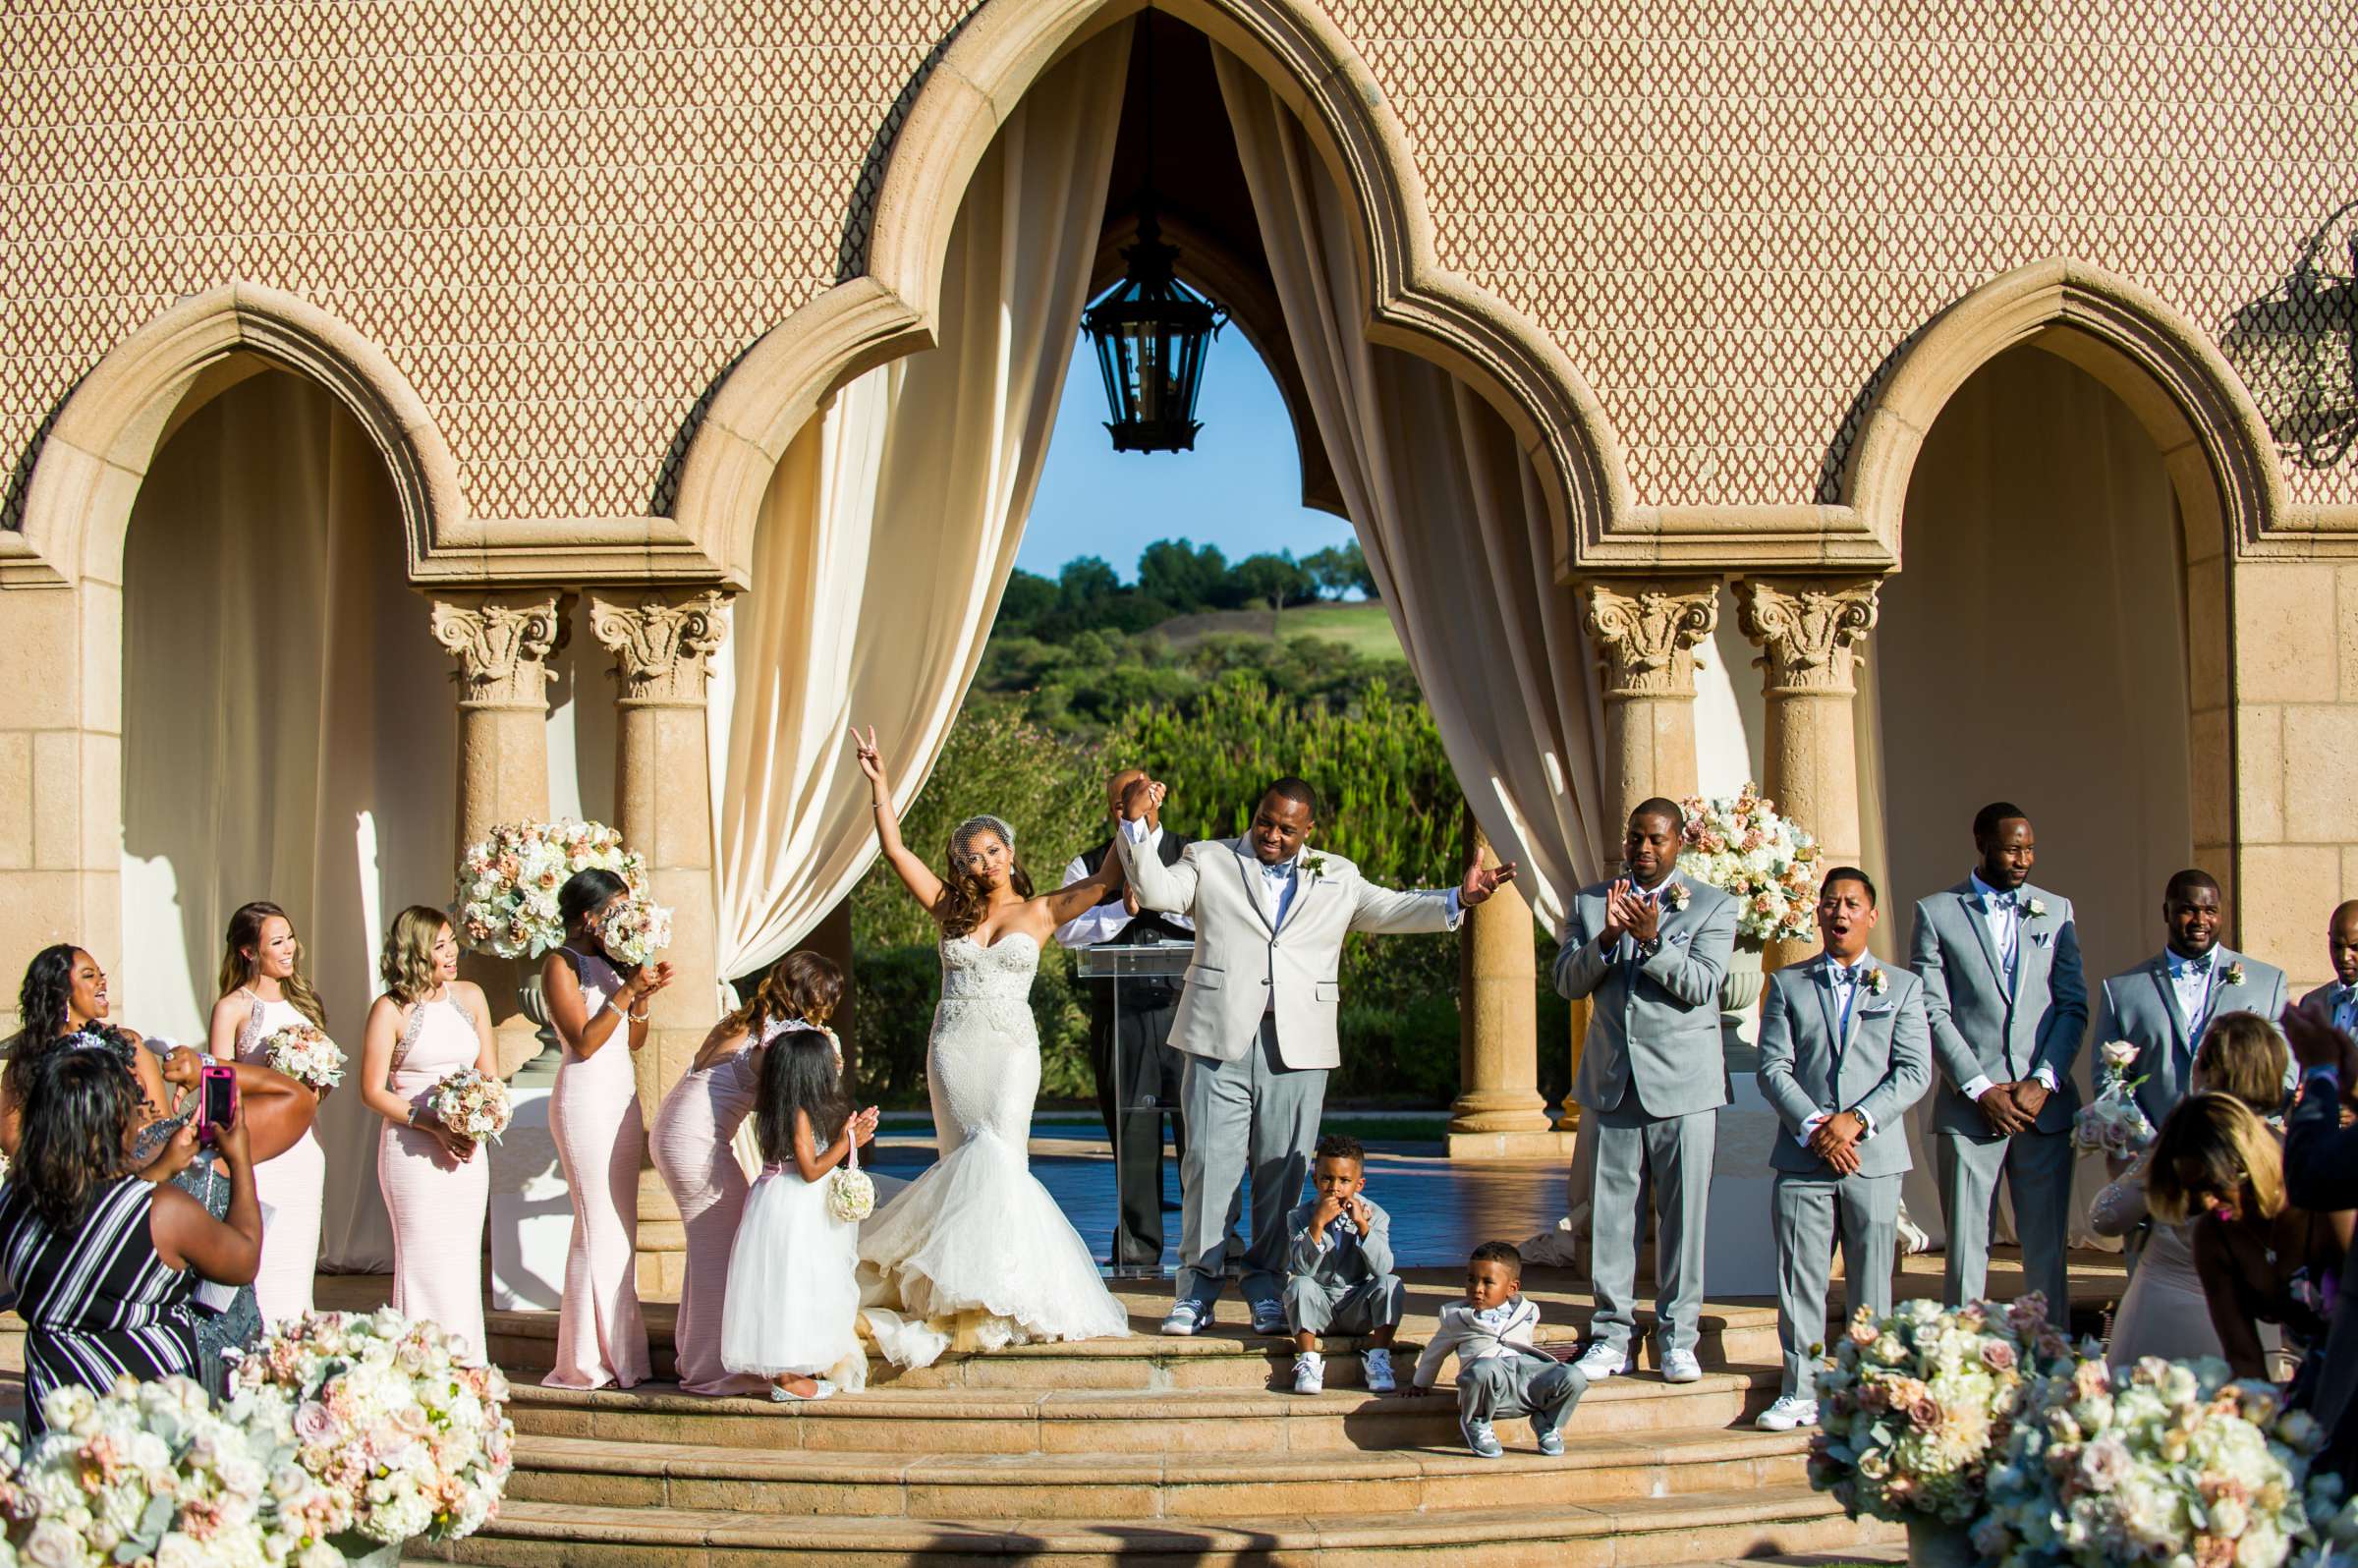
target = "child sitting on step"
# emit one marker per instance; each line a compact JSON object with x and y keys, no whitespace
{"x":1339,"y":1277}
{"x":1501,"y":1372}
{"x":793,"y":1305}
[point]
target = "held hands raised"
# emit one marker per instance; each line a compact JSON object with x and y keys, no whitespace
{"x":1626,"y":914}
{"x":647,"y":982}
{"x":863,"y":1125}
{"x":1143,"y":802}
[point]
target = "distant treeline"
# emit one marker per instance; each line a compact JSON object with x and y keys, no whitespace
{"x":1174,"y":577}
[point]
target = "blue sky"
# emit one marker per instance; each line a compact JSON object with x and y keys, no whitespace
{"x":1240,"y":488}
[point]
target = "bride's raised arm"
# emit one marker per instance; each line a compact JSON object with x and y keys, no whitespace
{"x":1075,"y":899}
{"x":915,"y":874}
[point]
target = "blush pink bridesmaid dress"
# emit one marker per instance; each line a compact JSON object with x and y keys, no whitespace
{"x":594,"y":1116}
{"x":690,"y":1146}
{"x":438,"y":1207}
{"x":292,"y":1182}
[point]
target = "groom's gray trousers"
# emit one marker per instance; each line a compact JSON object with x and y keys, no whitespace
{"x":1253,"y":1113}
{"x":1676,"y":1151}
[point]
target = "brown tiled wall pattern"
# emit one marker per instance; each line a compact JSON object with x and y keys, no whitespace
{"x":563,"y":222}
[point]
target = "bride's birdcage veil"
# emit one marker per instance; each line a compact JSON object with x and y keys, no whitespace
{"x":965,"y":831}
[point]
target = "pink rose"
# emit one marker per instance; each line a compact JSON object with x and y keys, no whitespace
{"x":1924,"y":1414}
{"x":313,"y":1422}
{"x":1997,"y":1355}
{"x":1863,"y":1332}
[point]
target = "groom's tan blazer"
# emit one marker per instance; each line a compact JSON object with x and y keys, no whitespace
{"x":1243,"y":965}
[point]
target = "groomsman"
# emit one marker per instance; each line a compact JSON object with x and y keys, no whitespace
{"x":2337,"y":1002}
{"x":1999,"y":958}
{"x":2163,"y":1005}
{"x":1649,"y":951}
{"x":1845,"y":1051}
{"x":1137,"y":1071}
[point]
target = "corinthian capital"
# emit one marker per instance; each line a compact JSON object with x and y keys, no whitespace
{"x":1807,"y":627}
{"x":1647,"y":631}
{"x":502,"y":643}
{"x":662,"y":642}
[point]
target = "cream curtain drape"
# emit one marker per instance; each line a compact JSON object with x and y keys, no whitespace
{"x":287,"y":733}
{"x":2041,"y":537}
{"x":892,"y":525}
{"x":1449,"y":513}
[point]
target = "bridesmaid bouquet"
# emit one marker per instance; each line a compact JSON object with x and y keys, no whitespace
{"x":634,"y":929}
{"x":470,"y":1105}
{"x":1914,"y":1407}
{"x":1767,"y":863}
{"x":2157,"y":1462}
{"x":2113,"y":1123}
{"x":304,"y":1053}
{"x":148,"y":1471}
{"x":405,"y":1435}
{"x":850,"y":1191}
{"x":507,"y":894}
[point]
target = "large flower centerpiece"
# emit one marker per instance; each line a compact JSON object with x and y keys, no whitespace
{"x":408,"y":1437}
{"x":508,"y":882}
{"x":2158,"y":1462}
{"x":1767,"y":863}
{"x":1913,"y":1406}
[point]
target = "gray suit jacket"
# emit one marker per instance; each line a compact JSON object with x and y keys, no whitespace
{"x":1883,"y":1068}
{"x":2320,"y":1002}
{"x":1659,"y":1035}
{"x":1332,"y":1267}
{"x":1983,"y":1028}
{"x":2141,"y":1006}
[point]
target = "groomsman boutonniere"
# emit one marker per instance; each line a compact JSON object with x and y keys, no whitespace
{"x":2034,"y":908}
{"x":1313,"y":865}
{"x":2232,"y":975}
{"x":1675,"y":896}
{"x":1877,"y":982}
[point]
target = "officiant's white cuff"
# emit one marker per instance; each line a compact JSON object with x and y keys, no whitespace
{"x":1974,"y":1086}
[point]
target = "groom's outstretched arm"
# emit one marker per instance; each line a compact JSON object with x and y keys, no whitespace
{"x":1388,"y":912}
{"x":1165,"y":889}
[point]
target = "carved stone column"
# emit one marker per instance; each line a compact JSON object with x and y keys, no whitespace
{"x":1809,"y":630}
{"x":1498,"y":1101}
{"x":662,"y":641}
{"x":502,"y":643}
{"x":1646,"y":633}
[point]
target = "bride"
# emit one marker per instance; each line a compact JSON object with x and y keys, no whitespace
{"x":976,"y":1234}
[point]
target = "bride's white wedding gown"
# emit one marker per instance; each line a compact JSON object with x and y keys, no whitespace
{"x":976,"y":1232}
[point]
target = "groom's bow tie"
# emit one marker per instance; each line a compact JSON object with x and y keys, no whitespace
{"x":2000,"y":900}
{"x":2199,"y":966}
{"x":1277,"y":873}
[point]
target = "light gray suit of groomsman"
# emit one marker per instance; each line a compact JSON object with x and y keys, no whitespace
{"x":2336,"y":1001}
{"x":1651,"y":1080}
{"x":2163,"y":1004}
{"x":1257,"y":1022}
{"x":1999,"y":958}
{"x":1837,"y":1038}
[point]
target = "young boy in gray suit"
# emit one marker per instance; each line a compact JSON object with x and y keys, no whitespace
{"x":1501,"y":1372}
{"x":1845,"y":1050}
{"x":1339,"y":1277}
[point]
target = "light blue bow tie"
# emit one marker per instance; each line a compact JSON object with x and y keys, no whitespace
{"x":1279,"y":872}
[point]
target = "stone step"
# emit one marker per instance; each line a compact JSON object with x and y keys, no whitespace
{"x":1733,"y":1522}
{"x":1097,"y":1421}
{"x":1345,"y":1483}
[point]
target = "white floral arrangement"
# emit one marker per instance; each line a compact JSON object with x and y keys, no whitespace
{"x":850,"y":1191}
{"x":304,"y":1053}
{"x":2113,"y":1123}
{"x":1767,"y":863}
{"x":634,"y":929}
{"x":407,"y":1437}
{"x":146,"y":1474}
{"x":508,"y":883}
{"x":2159,"y":1461}
{"x":1912,"y":1407}
{"x":471,"y":1103}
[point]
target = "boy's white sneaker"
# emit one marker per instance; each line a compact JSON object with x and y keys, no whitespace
{"x":1310,"y":1373}
{"x":1681,"y":1366}
{"x":1188,"y":1317}
{"x":1600,"y":1362}
{"x":1376,"y":1363}
{"x":1789,"y":1411}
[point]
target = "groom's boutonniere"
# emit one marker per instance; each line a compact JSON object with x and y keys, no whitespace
{"x":2034,"y":908}
{"x":1313,"y":865}
{"x":1675,"y":896}
{"x":2232,"y":975}
{"x":1877,"y":982}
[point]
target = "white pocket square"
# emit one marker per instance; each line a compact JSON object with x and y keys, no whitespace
{"x":1885,"y":1011}
{"x":2044,"y":938}
{"x":1677,"y":938}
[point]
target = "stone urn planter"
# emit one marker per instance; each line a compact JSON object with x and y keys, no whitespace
{"x":1739,"y":993}
{"x":387,"y":1555}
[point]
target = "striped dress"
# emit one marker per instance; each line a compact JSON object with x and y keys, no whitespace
{"x":98,"y":1302}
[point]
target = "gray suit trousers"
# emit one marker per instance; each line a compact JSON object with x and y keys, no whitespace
{"x":1803,"y":1211}
{"x":1678,"y":1150}
{"x":2037,"y":1168}
{"x":1253,"y":1113}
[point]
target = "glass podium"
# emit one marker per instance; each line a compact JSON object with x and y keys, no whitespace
{"x":1126,"y":967}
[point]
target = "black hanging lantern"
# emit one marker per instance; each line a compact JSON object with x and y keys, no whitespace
{"x":1152,"y":331}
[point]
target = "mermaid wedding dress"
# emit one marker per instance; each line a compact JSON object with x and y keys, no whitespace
{"x":976,"y":1232}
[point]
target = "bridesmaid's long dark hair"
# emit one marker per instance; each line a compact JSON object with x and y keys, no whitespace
{"x":584,"y":891}
{"x":798,"y":1073}
{"x":78,"y":1114}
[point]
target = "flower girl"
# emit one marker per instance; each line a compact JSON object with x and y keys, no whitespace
{"x":793,"y":1305}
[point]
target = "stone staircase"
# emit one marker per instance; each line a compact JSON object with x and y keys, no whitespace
{"x":1153,"y":1449}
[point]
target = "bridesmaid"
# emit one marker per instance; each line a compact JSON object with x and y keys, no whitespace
{"x":263,"y":991}
{"x":690,"y":1145}
{"x":599,"y":1014}
{"x":437,"y":1185}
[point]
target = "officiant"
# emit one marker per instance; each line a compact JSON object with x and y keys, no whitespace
{"x":1137,"y":1070}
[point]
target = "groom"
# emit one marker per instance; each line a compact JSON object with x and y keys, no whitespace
{"x":1256,"y":1018}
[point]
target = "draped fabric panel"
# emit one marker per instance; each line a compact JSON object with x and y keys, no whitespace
{"x":1450,"y":515}
{"x":288,"y":734}
{"x":890,"y":530}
